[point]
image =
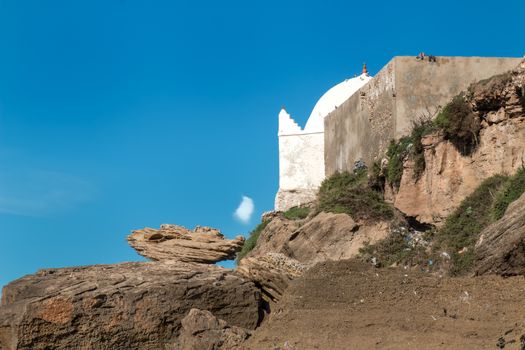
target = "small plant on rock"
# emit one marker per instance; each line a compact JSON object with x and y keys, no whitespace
{"x":251,"y":242}
{"x":460,"y":125}
{"x":513,"y":189}
{"x":297,"y":213}
{"x":350,"y":194}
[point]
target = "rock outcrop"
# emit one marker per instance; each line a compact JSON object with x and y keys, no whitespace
{"x":501,"y":246}
{"x":449,"y":176}
{"x":272,"y":272}
{"x":326,"y":236}
{"x":203,"y":245}
{"x":201,"y":330}
{"x":120,"y":307}
{"x":287,"y":248}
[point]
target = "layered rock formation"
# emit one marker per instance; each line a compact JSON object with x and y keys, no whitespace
{"x":501,"y":246}
{"x":136,"y":305}
{"x":123,"y":306}
{"x":203,"y":245}
{"x":273,"y":272}
{"x":449,"y":176}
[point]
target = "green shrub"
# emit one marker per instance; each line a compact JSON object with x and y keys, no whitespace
{"x":463,"y":226}
{"x":514,"y":188}
{"x":460,"y":232}
{"x":297,"y":213}
{"x":376,"y":179}
{"x":491,"y":102}
{"x":251,"y":242}
{"x":396,"y":153}
{"x":420,"y":128}
{"x":460,"y":125}
{"x":350,"y":194}
{"x":409,"y":146}
{"x":394,"y":249}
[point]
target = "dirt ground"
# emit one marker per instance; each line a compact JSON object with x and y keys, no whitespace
{"x":350,"y":305}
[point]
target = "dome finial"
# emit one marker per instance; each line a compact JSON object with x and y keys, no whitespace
{"x":365,"y":70}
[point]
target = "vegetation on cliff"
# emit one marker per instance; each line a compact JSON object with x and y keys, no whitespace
{"x":456,"y":121}
{"x":408,"y":146}
{"x":351,"y":194}
{"x":251,"y":241}
{"x":462,"y":228}
{"x":512,"y":190}
{"x":486,"y":205}
{"x":460,"y":125}
{"x":297,"y":213}
{"x":453,"y":244}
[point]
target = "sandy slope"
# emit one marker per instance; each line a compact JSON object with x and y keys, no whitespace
{"x":349,"y":305}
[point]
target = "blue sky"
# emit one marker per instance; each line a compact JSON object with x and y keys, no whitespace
{"x":115,"y":115}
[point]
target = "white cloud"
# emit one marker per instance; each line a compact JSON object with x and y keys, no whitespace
{"x":245,"y":210}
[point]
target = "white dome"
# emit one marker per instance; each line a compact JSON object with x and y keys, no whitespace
{"x":332,"y":99}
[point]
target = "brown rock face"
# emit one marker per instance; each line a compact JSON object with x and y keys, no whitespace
{"x":121,"y":307}
{"x":171,"y":242}
{"x":201,"y":330}
{"x":326,"y":236}
{"x":450,"y":176}
{"x":501,"y":246}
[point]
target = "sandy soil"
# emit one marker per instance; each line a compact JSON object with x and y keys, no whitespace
{"x":349,"y":305}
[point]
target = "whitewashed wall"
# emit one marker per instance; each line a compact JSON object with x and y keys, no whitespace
{"x":301,"y":163}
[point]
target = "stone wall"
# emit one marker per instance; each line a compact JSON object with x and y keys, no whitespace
{"x":358,"y":127}
{"x":404,"y":90}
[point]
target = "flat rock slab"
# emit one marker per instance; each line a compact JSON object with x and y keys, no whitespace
{"x":119,"y":307}
{"x":203,"y":245}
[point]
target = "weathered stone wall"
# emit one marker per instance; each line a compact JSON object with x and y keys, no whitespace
{"x":363,"y":125}
{"x":404,"y":90}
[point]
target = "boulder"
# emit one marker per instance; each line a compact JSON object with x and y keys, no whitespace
{"x":501,"y":246}
{"x":201,"y":330}
{"x":120,"y":307}
{"x":203,"y":245}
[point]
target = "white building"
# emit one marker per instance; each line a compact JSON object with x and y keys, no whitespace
{"x":301,"y":151}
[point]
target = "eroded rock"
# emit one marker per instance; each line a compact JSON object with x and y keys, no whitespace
{"x":272,"y":272}
{"x":326,"y":236}
{"x":450,"y":176}
{"x":120,"y":307}
{"x":201,"y":330}
{"x":501,"y":246}
{"x":172,"y":242}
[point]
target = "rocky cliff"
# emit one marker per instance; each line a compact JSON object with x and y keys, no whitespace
{"x":498,"y":105}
